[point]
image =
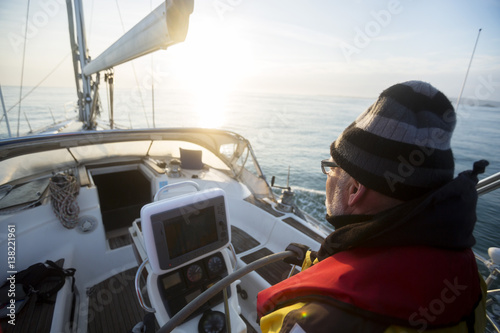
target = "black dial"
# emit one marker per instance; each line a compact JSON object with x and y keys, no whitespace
{"x":215,"y":264}
{"x":194,"y":273}
{"x":212,"y":322}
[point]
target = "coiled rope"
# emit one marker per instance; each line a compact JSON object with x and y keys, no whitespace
{"x":64,"y":190}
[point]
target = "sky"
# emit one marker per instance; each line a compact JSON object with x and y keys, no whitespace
{"x":315,"y":47}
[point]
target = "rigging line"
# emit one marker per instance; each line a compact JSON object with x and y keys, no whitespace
{"x":91,"y":21}
{"x":467,"y":73}
{"x":152,"y":78}
{"x":133,"y":69}
{"x":153,"y":93}
{"x":22,"y":68}
{"x":5,"y":113}
{"x":106,"y":77}
{"x":38,"y":84}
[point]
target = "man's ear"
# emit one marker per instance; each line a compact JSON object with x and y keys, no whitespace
{"x":356,"y":192}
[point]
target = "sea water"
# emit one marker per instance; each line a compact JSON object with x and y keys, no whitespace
{"x":289,"y":133}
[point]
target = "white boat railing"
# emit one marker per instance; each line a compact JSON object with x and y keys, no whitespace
{"x":484,"y":186}
{"x":488,"y":184}
{"x":493,"y":265}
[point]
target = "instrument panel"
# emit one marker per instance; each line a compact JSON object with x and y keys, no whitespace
{"x":179,"y":287}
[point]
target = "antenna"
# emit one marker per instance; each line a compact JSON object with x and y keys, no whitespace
{"x":286,"y":202}
{"x":287,"y":187}
{"x":288,"y":178}
{"x":467,"y":73}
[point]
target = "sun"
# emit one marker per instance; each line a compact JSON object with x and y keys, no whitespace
{"x":210,"y":64}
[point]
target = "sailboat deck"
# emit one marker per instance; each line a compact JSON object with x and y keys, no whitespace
{"x":35,"y":315}
{"x":113,"y":305}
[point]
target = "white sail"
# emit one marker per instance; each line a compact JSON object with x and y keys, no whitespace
{"x":164,"y":26}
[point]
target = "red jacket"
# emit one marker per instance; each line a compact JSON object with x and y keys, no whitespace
{"x":416,"y":287}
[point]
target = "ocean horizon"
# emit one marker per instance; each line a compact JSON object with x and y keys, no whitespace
{"x":287,"y":132}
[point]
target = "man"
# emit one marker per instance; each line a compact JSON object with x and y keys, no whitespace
{"x":399,"y":259}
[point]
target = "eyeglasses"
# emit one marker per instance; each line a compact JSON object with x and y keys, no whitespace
{"x":326,"y":165}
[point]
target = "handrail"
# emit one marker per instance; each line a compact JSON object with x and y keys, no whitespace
{"x":493,"y":267}
{"x":488,"y":184}
{"x":174,"y":185}
{"x":495,"y":327}
{"x":138,"y":288}
{"x":233,"y":252}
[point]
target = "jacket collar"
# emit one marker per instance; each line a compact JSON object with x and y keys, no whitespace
{"x":443,"y":218}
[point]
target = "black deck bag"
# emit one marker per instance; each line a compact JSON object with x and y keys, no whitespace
{"x":42,"y":280}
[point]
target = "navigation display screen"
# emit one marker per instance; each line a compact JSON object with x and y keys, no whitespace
{"x":190,"y":231}
{"x":184,"y":228}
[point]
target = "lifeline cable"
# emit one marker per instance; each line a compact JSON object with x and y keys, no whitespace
{"x":22,"y":67}
{"x":37,"y":85}
{"x":467,"y":72}
{"x":63,"y":191}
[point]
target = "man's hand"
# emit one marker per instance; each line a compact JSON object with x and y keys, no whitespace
{"x":300,"y":250}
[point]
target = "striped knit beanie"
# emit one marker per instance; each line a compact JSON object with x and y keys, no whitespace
{"x":400,"y":146}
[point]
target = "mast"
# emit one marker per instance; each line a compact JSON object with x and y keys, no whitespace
{"x":86,"y":96}
{"x":163,"y":27}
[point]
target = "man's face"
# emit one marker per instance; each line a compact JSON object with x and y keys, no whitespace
{"x":336,"y":185}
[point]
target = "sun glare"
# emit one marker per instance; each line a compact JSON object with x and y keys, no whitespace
{"x":212,"y":63}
